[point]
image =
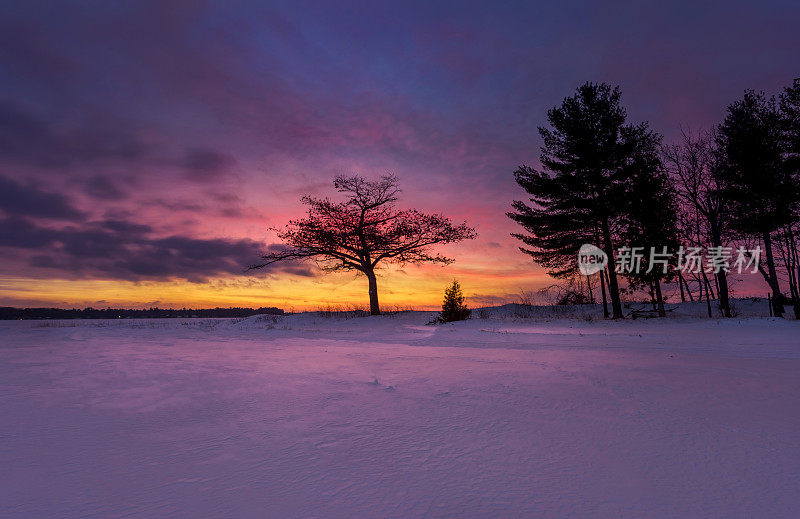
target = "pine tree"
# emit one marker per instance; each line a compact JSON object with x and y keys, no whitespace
{"x":790,"y":126}
{"x":579,"y":194}
{"x":650,"y":217}
{"x":454,"y":308}
{"x":755,"y":177}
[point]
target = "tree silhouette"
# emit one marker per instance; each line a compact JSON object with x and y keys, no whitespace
{"x":755,"y":177}
{"x":649,"y":219}
{"x":453,"y":307}
{"x":580,"y":193}
{"x":364,"y":231}
{"x":692,"y":164}
{"x":790,"y":126}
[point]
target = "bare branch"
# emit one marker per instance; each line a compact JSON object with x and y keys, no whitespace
{"x":365,"y":230}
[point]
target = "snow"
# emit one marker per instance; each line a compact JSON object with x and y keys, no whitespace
{"x":314,"y":416}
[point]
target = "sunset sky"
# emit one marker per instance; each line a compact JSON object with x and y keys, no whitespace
{"x":146,"y":147}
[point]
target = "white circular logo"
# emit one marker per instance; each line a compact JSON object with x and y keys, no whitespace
{"x":591,"y":259}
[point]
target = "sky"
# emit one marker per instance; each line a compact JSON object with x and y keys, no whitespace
{"x":146,"y":148}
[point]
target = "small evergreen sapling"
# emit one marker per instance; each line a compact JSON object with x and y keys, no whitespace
{"x":453,"y":307}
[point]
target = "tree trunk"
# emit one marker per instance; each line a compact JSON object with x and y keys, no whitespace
{"x":374,"y":308}
{"x":797,"y":299}
{"x":707,"y":283}
{"x":790,"y":264}
{"x":699,"y":287}
{"x":603,"y":290}
{"x":653,"y":295}
{"x":722,"y":292}
{"x":794,"y":270}
{"x":708,"y":297}
{"x":660,"y":299}
{"x":777,"y":297}
{"x":722,"y":280}
{"x":682,"y":279}
{"x":613,"y":287}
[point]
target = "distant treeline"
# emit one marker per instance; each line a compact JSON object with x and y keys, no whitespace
{"x":7,"y":313}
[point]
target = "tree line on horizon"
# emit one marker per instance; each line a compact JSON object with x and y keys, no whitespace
{"x":11,"y":313}
{"x":612,"y":183}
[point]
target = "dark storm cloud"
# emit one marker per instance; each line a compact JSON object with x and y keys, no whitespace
{"x":22,"y":234}
{"x":116,"y":249}
{"x":216,"y":203}
{"x":126,"y":227}
{"x":17,"y":199}
{"x":31,"y":139}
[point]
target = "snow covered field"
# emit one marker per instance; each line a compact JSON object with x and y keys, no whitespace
{"x":306,"y":416}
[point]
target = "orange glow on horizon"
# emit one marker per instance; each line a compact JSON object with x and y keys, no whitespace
{"x":418,"y":287}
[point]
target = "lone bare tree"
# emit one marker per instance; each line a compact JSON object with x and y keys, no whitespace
{"x":365,"y":230}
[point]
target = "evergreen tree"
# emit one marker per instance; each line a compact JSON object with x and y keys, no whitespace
{"x":754,"y":176}
{"x":453,"y":308}
{"x":790,"y":127}
{"x":650,"y":217}
{"x":580,"y":193}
